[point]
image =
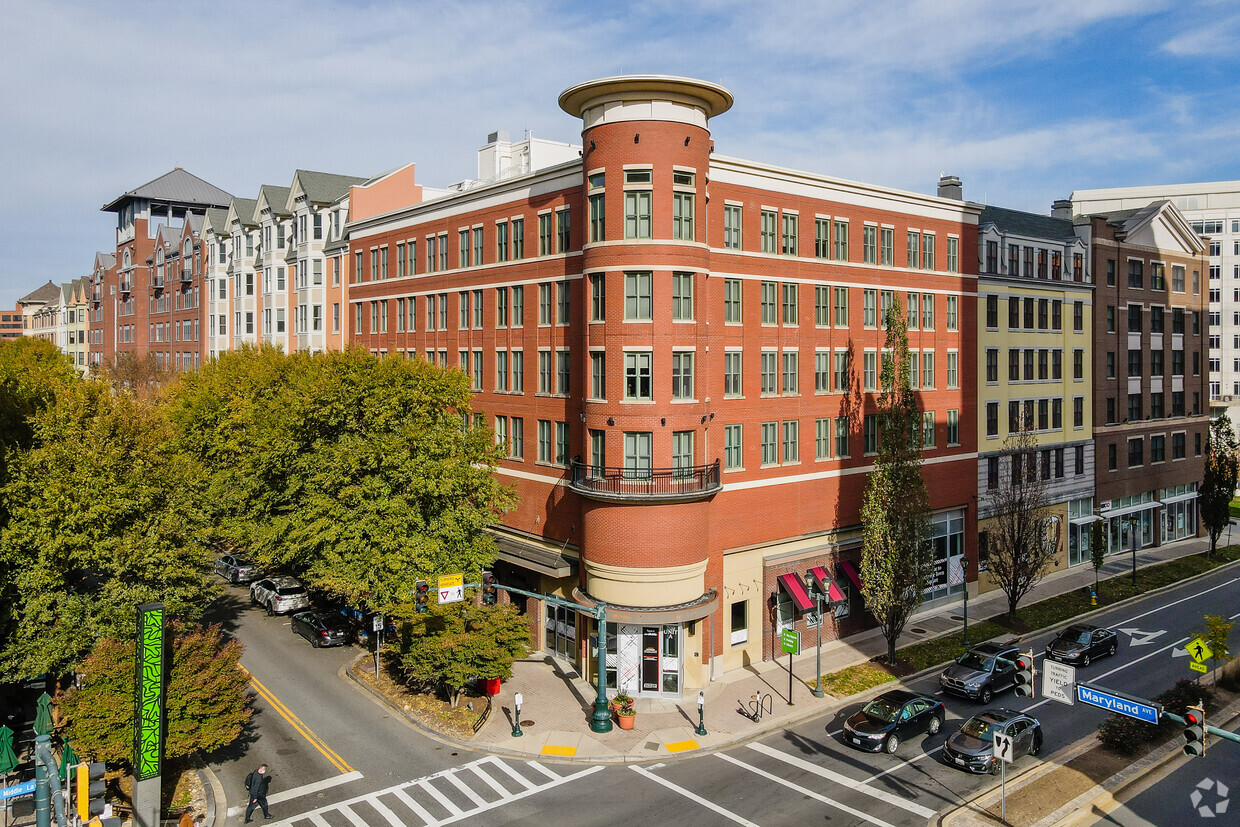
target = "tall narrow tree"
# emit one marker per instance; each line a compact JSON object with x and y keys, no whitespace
{"x":896,"y":560}
{"x":1021,"y":551}
{"x":1218,"y":487}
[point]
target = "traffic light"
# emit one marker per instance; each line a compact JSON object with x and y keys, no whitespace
{"x":421,"y":594}
{"x":1195,"y":731}
{"x":489,"y":592}
{"x":90,"y":786}
{"x":1025,"y":672}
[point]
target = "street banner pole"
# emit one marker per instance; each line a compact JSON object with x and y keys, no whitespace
{"x":149,"y":720}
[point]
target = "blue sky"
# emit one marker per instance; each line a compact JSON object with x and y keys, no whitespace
{"x":1025,"y":101}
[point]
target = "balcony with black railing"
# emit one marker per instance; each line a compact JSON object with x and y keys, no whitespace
{"x":626,"y":484}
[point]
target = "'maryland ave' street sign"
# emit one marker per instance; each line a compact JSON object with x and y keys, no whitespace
{"x":1113,"y":701}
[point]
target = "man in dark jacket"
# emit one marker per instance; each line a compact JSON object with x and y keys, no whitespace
{"x":256,"y":784}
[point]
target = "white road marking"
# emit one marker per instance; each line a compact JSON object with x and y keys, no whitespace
{"x":1141,"y":638}
{"x":443,"y":800}
{"x":816,"y":796}
{"x":422,"y":812}
{"x":537,"y":766}
{"x":353,"y":817}
{"x":318,"y":820}
{"x":385,"y":812}
{"x":296,"y":792}
{"x":844,"y":780}
{"x":515,"y":775}
{"x":466,"y":791}
{"x":710,"y":805}
{"x":491,"y":782}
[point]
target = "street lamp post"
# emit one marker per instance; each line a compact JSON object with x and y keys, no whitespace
{"x":701,"y":727}
{"x":1135,"y":522}
{"x":516,"y":718}
{"x":964,"y":576}
{"x":818,"y":691}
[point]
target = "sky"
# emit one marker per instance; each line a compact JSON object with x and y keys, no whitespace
{"x":1024,"y":100}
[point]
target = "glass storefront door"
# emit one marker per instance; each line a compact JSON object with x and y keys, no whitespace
{"x":644,"y":660}
{"x":561,"y":633}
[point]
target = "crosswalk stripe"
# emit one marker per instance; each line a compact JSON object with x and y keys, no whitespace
{"x":816,"y":796}
{"x":385,"y":812}
{"x":515,"y":775}
{"x":710,"y":805}
{"x":844,"y":780}
{"x":415,"y":806}
{"x":495,"y":785}
{"x":446,"y":802}
{"x":466,"y":791}
{"x":544,"y":770}
{"x":352,"y":816}
{"x":318,"y":820}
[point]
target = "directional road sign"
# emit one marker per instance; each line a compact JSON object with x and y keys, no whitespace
{"x":1003,"y":746}
{"x":451,"y":588}
{"x":1113,"y":701}
{"x":1198,"y":650}
{"x":790,"y":641}
{"x":1057,"y":681}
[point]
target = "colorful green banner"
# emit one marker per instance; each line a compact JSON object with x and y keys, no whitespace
{"x":149,"y":693}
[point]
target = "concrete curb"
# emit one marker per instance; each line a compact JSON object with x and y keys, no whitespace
{"x":217,"y":814}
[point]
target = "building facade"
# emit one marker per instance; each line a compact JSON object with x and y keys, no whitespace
{"x":679,"y":352}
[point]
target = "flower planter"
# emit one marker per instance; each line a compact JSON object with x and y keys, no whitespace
{"x":625,"y":721}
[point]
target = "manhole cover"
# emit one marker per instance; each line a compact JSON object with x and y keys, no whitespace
{"x":918,"y":631}
{"x":527,"y":723}
{"x":956,"y":617}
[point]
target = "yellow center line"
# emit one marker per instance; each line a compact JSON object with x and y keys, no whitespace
{"x":315,"y":741}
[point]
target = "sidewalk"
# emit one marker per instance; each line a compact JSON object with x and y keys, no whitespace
{"x":558,"y":702}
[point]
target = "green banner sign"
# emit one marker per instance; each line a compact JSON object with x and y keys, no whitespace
{"x":149,"y":693}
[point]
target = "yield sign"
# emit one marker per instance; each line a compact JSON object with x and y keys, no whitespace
{"x":451,"y":588}
{"x":1140,"y":638}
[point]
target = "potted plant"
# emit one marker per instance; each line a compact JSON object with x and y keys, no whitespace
{"x":625,"y":709}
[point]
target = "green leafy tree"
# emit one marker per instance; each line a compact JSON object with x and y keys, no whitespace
{"x":897,"y":562}
{"x":31,"y":373}
{"x":1216,"y":634}
{"x":207,"y":706}
{"x":449,"y":645}
{"x":1097,"y":549}
{"x":1218,"y":487}
{"x":1020,"y":554}
{"x":104,"y":514}
{"x":358,"y":472}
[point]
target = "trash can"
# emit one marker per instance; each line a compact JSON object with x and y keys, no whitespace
{"x":490,"y":686}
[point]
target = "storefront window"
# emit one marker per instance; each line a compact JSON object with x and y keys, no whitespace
{"x":947,"y":537}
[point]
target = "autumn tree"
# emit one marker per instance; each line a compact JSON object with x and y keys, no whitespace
{"x":207,"y":702}
{"x":1020,"y":550}
{"x":104,"y":514}
{"x":447,"y":646}
{"x":1218,"y":487}
{"x":31,"y":372}
{"x":897,"y":562}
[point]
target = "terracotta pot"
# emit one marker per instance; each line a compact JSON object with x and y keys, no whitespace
{"x":626,"y":721}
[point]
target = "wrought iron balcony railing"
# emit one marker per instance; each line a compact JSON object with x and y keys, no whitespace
{"x":603,"y":482}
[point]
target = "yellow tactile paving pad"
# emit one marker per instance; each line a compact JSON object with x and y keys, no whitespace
{"x":681,"y":746}
{"x":565,"y":752}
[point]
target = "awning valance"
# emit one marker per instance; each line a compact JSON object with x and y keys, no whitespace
{"x":850,"y":571}
{"x":827,"y":584}
{"x":795,"y":589}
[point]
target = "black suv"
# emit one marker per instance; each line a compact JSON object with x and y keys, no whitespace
{"x":981,"y":672}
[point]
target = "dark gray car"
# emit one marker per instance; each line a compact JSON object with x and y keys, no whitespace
{"x":236,"y":569}
{"x":1081,"y":643}
{"x":972,"y":746}
{"x":979,"y":673}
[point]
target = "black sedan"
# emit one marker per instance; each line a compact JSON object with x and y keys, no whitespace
{"x":972,"y":747}
{"x":236,"y":569}
{"x":892,"y":717}
{"x":1081,"y":643}
{"x":322,"y":628}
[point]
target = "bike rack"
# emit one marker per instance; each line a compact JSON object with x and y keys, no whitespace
{"x":756,"y":706}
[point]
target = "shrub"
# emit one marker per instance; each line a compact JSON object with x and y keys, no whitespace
{"x":1126,"y":735}
{"x":1185,"y":693}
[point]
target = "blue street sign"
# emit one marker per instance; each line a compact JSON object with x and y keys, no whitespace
{"x":1113,"y":701}
{"x":24,"y":788}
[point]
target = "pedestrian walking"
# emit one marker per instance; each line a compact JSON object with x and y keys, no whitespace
{"x":256,"y":786}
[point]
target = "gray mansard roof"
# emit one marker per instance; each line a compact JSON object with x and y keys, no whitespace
{"x":177,"y":187}
{"x":1016,"y":222}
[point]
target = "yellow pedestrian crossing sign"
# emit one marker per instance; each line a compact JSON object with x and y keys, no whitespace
{"x":1199,"y":651}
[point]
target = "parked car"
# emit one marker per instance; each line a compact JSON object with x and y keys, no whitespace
{"x":981,"y":672}
{"x":279,"y":594}
{"x":362,"y":623}
{"x":322,"y":628}
{"x":891,"y":718}
{"x":1080,"y":643}
{"x":236,"y":569}
{"x":972,"y":746}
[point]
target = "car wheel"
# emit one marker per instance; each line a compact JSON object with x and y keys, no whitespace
{"x":314,"y":642}
{"x":985,"y":695}
{"x":1037,"y":746}
{"x":1112,"y":650}
{"x":994,"y":766}
{"x":936,"y":723}
{"x":893,"y":744}
{"x":271,"y":608}
{"x":1085,"y":661}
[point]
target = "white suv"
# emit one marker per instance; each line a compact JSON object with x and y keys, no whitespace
{"x":279,"y":595}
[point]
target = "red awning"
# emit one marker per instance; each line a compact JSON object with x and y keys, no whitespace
{"x":796,"y":590}
{"x":833,"y":592}
{"x":850,"y":571}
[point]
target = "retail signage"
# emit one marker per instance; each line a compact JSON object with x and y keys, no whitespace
{"x":149,"y":693}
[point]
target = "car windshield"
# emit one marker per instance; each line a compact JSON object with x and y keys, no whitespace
{"x":973,"y":660}
{"x":882,"y":709}
{"x":1074,"y":636}
{"x":979,"y":728}
{"x":290,"y":591}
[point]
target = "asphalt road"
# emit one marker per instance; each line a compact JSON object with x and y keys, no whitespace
{"x":798,"y":776}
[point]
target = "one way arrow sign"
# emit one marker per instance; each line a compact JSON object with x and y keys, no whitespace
{"x":1140,"y":638}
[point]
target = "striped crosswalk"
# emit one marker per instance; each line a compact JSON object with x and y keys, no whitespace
{"x":443,"y":798}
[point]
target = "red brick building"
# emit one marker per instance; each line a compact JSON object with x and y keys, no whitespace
{"x":680,"y":352}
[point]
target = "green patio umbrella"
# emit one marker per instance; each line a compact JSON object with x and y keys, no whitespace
{"x":68,"y":759}
{"x":8,"y":758}
{"x":43,"y":720}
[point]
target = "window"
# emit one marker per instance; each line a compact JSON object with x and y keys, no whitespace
{"x":790,"y":372}
{"x":1158,"y":279}
{"x":518,"y":305}
{"x":870,"y":431}
{"x":682,"y":454}
{"x":768,"y":302}
{"x":992,"y":257}
{"x":732,"y":373}
{"x":869,"y":371}
{"x":544,"y":303}
{"x":841,"y":436}
{"x":887,"y":243}
{"x":682,"y":297}
{"x":822,"y":305}
{"x":732,"y":301}
{"x":544,"y":440}
{"x":822,"y":438}
{"x":768,"y":373}
{"x":562,"y":386}
{"x":927,"y":429}
{"x":790,"y":303}
{"x":1056,"y":315}
{"x":1178,"y":446}
{"x":914,"y":250}
{"x":516,"y":438}
{"x":822,"y":237}
{"x":598,"y":375}
{"x":992,"y":364}
{"x":1156,"y":319}
{"x":637,"y":373}
{"x":927,"y":251}
{"x":927,"y":311}
{"x":563,"y":219}
{"x":953,"y":255}
{"x":869,"y":316}
{"x":767,"y":229}
{"x":788,"y":238}
{"x":914,"y":314}
{"x":840,"y":247}
{"x":869,"y":244}
{"x":598,"y":298}
{"x":1013,"y":259}
{"x":992,"y":419}
{"x":682,"y":375}
{"x":841,"y":306}
{"x":992,"y":312}
{"x":792,"y":430}
{"x":841,"y":370}
{"x":953,"y":427}
{"x":732,"y":447}
{"x":1177,"y":278}
{"x":1136,"y":449}
{"x":518,"y":371}
{"x":952,"y":321}
{"x":637,"y":301}
{"x":1136,"y":273}
{"x":927,"y":369}
{"x":637,"y":454}
{"x":732,"y":227}
{"x":544,"y":234}
{"x":952,"y":373}
{"x":1158,"y":448}
{"x":637,"y":205}
{"x":770,"y":444}
{"x":1134,"y":318}
{"x":562,"y":293}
